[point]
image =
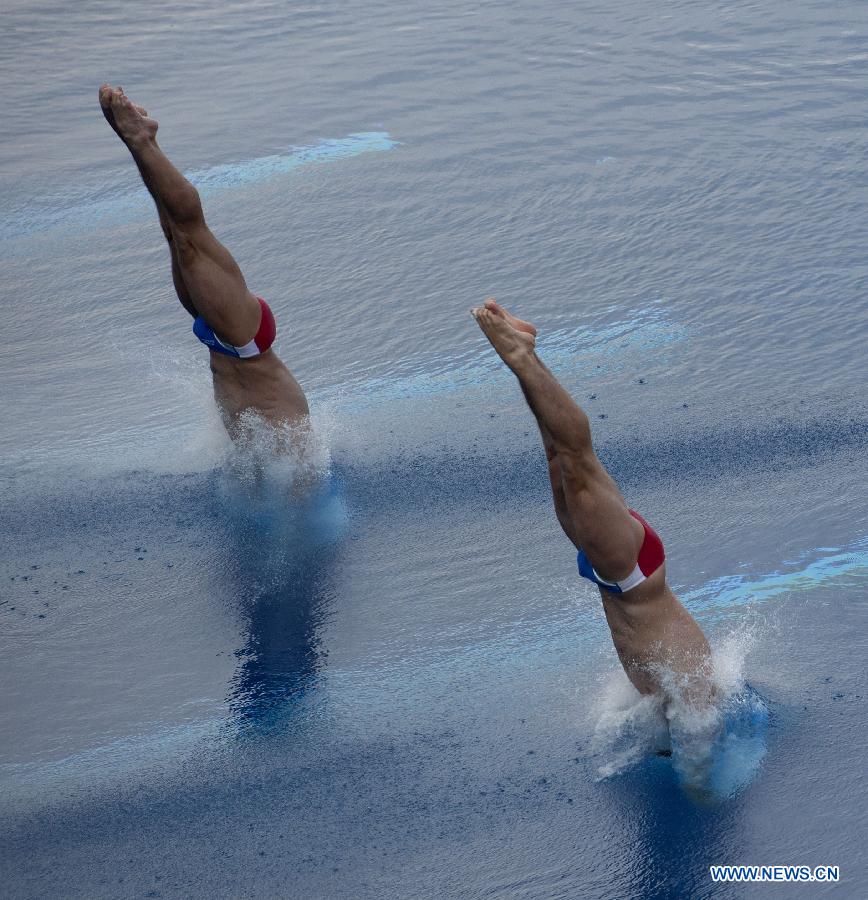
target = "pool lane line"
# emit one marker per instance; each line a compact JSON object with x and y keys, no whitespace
{"x":600,"y":349}
{"x":361,"y":687}
{"x":832,"y":566}
{"x":100,"y":212}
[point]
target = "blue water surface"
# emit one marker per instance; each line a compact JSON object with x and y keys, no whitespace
{"x":400,"y":688}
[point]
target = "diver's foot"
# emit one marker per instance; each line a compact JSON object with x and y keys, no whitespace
{"x":514,"y":346}
{"x":517,"y":324}
{"x":131,"y":122}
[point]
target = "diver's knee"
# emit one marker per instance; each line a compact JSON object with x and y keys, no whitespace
{"x":186,"y":207}
{"x":554,"y":466}
{"x":577,"y":469}
{"x":186,"y":240}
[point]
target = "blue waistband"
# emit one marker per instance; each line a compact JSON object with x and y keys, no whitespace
{"x":205,"y":333}
{"x":586,"y":570}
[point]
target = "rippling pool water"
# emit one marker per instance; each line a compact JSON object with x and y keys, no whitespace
{"x":403,"y":689}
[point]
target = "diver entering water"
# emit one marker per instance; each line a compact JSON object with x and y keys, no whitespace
{"x":660,"y":645}
{"x":236,"y":326}
{"x":284,"y":550}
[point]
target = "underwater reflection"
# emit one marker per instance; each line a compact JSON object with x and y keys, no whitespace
{"x":284,"y":550}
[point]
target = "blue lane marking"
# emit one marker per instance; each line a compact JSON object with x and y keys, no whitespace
{"x":584,"y":349}
{"x":553,"y":640}
{"x":836,"y":566}
{"x":232,"y":175}
{"x":89,"y":210}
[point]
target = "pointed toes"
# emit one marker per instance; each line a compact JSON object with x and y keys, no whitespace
{"x":484,"y":316}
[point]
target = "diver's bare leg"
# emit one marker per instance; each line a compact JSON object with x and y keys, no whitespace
{"x":554,"y":467}
{"x":556,"y":480}
{"x":599,"y":520}
{"x":206,"y":274}
{"x":177,"y":277}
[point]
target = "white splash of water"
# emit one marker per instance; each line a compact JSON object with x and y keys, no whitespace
{"x":716,"y":751}
{"x":278,"y":482}
{"x":629,"y":726}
